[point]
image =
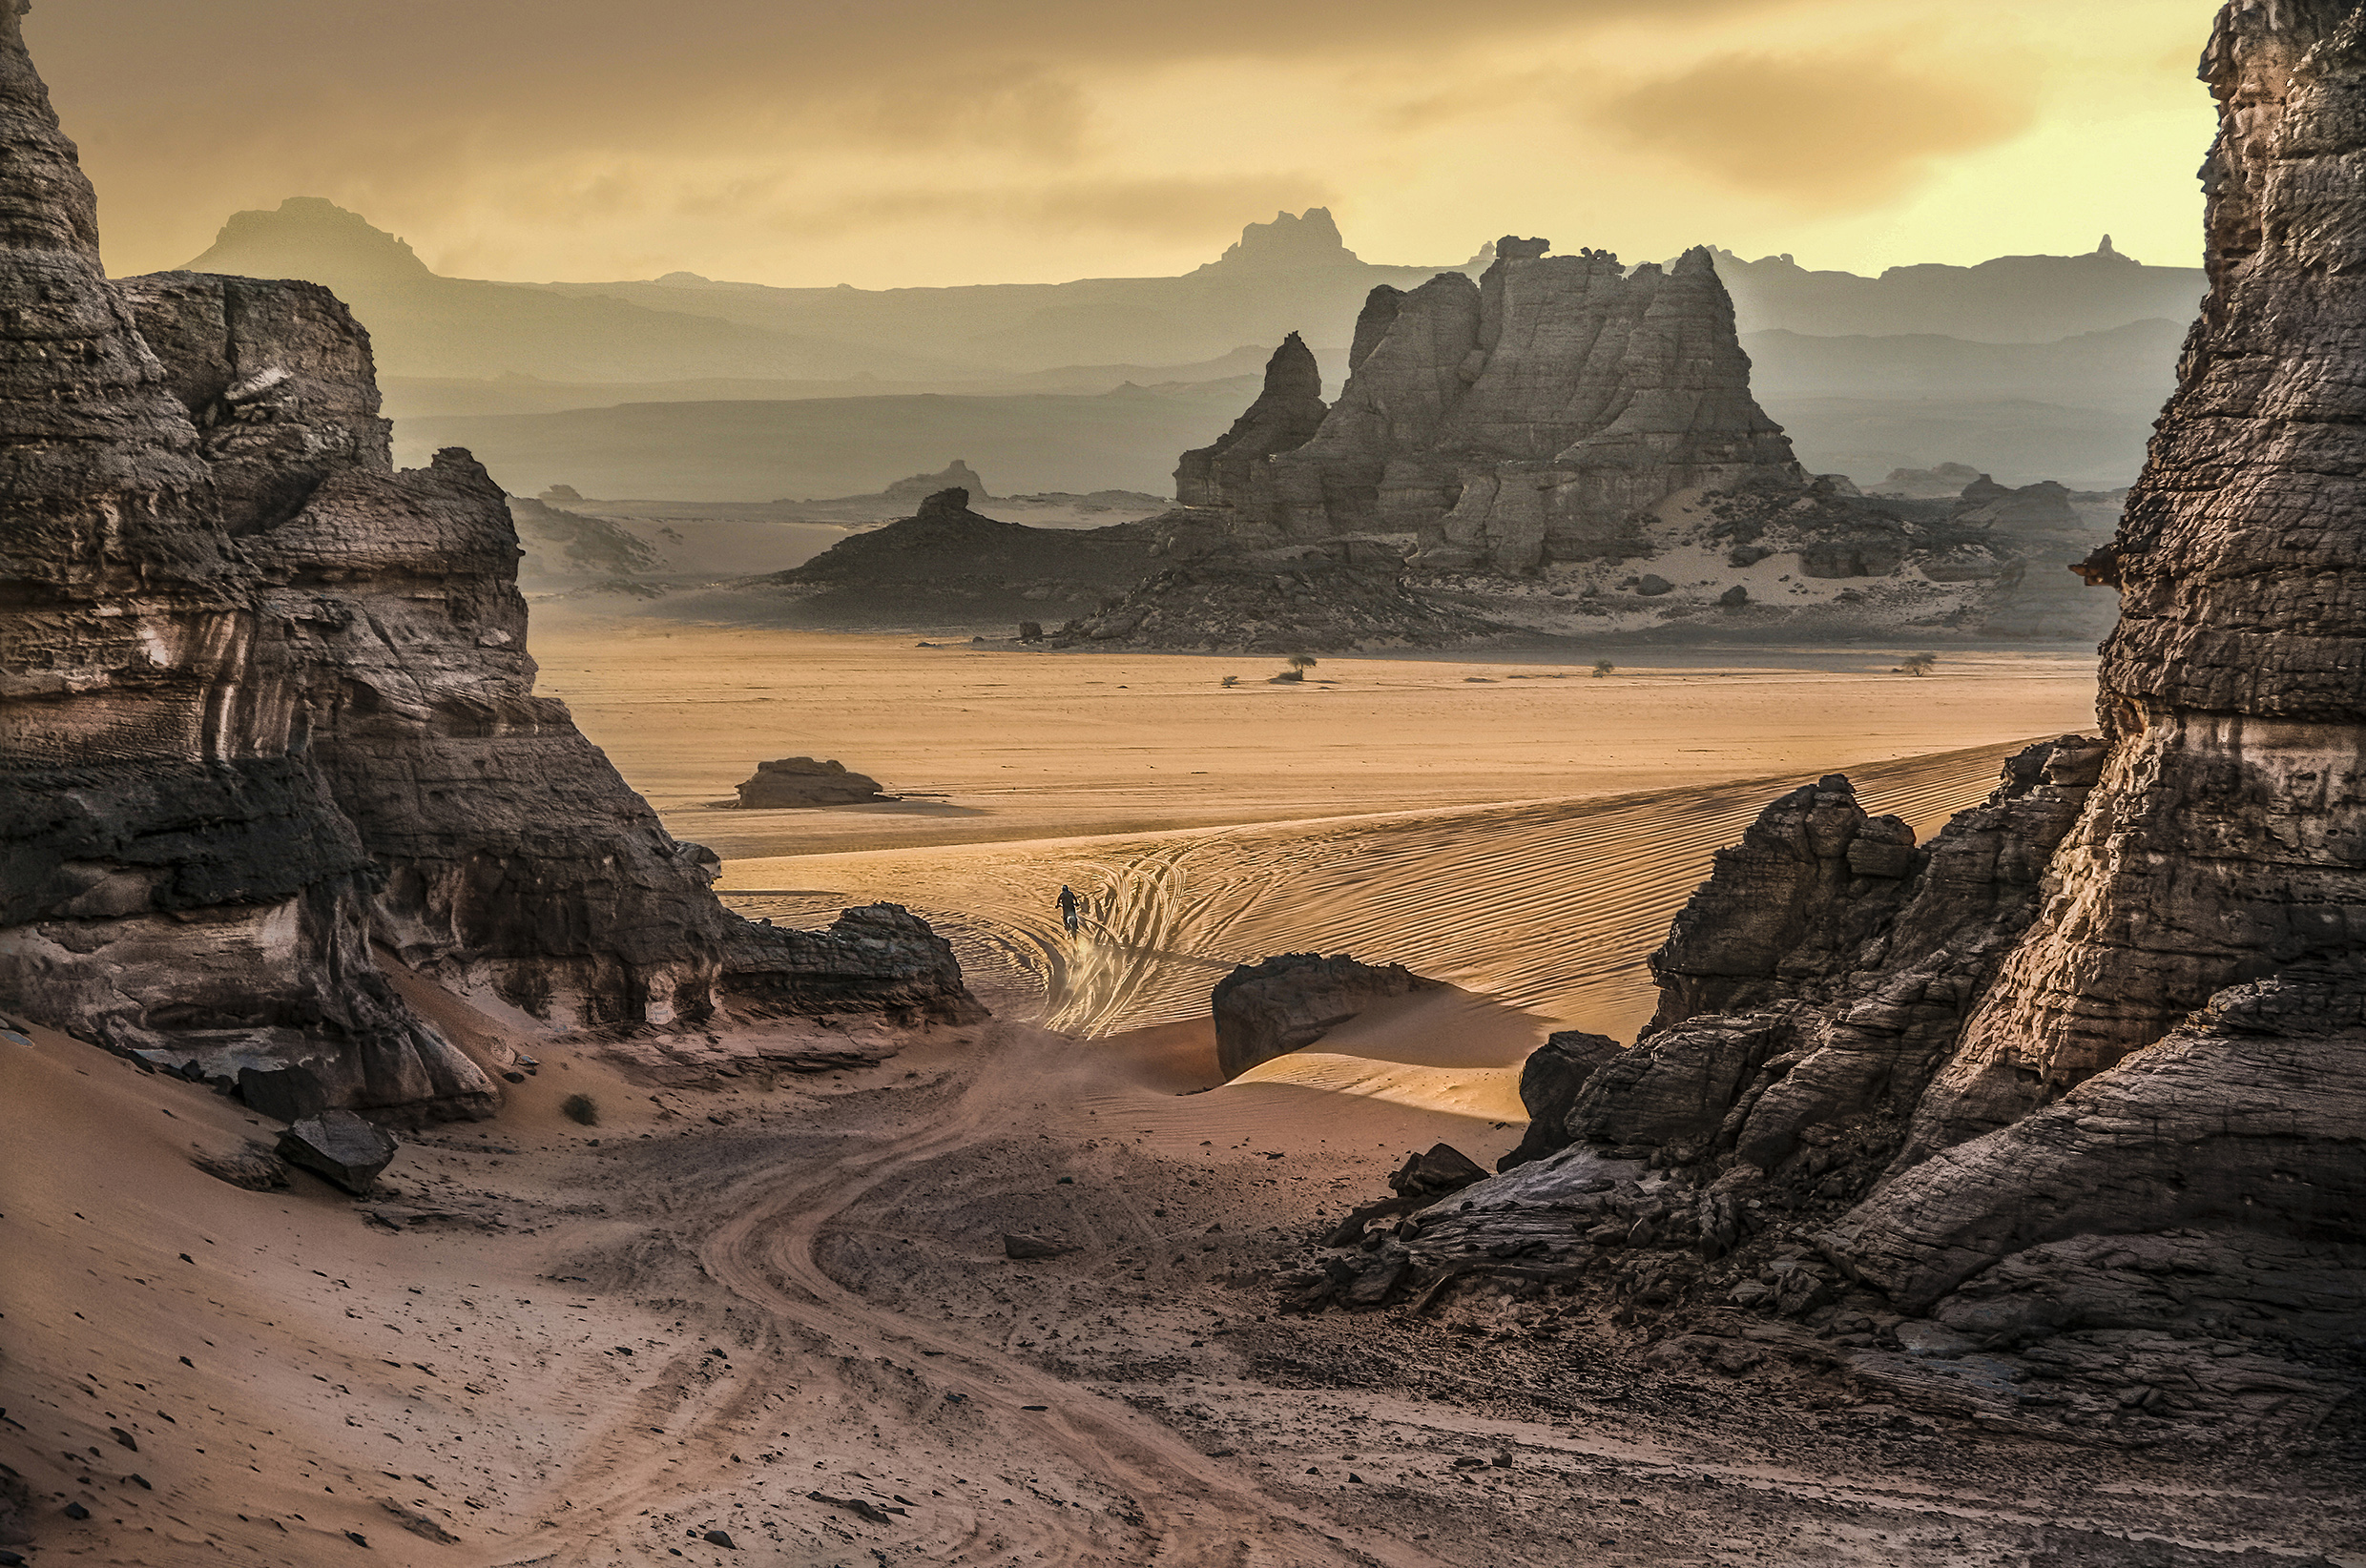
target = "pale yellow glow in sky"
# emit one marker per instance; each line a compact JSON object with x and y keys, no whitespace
{"x":903,"y":143}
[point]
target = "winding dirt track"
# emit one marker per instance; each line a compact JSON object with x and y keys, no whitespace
{"x":1194,"y":1511}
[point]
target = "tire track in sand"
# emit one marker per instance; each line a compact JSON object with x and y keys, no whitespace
{"x":1195,"y":1512}
{"x":1548,"y":906}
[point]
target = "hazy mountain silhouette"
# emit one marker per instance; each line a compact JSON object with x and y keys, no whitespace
{"x":2029,"y":367}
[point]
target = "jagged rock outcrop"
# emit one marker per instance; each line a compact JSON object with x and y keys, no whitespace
{"x":2090,"y":1074}
{"x":1286,"y":1003}
{"x":1532,"y":415}
{"x":265,"y":704}
{"x":1234,"y":470}
{"x":1551,"y":1080}
{"x":805,"y":781}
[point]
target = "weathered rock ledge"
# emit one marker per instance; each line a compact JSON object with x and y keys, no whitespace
{"x":266,"y":707}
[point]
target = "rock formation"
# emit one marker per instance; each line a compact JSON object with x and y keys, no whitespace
{"x":1234,"y":471}
{"x":265,"y":705}
{"x":1286,"y":1003}
{"x":949,"y":564}
{"x":805,"y":781}
{"x":956,"y":475}
{"x":2090,"y":1067}
{"x":1525,"y":416}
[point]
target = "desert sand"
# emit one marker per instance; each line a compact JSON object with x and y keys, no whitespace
{"x":780,"y":1309}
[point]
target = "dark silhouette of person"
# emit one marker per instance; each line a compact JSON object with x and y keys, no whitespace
{"x":1069,"y":903}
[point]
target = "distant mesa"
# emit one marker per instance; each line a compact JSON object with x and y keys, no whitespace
{"x":1948,"y":479}
{"x":958,"y":475}
{"x":310,"y":238}
{"x":794,"y":781}
{"x":1291,"y":241}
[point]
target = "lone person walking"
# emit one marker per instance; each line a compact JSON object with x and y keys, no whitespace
{"x":1068,"y":905}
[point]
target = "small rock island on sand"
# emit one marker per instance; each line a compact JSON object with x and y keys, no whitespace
{"x":806,"y":781}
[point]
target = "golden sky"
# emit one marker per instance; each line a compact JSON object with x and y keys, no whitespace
{"x":887,"y":142}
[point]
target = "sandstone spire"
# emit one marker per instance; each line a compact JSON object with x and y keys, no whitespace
{"x":1529,"y":415}
{"x":1232,"y":471}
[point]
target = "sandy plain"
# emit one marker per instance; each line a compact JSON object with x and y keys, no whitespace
{"x":776,"y":1307}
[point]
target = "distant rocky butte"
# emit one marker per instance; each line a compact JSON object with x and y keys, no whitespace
{"x":2081,"y":1083}
{"x":1530,"y":415}
{"x":266,"y":709}
{"x":1291,"y":241}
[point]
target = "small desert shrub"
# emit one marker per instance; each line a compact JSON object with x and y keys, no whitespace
{"x":578,"y":1107}
{"x":1302,"y":662}
{"x":1918,"y":664}
{"x":1602,"y":668}
{"x":1231,"y":680}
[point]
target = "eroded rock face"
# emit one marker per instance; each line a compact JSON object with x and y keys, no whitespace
{"x":265,"y":703}
{"x":2225,"y":843}
{"x":1234,"y":470}
{"x":2089,"y":1072}
{"x":1530,"y":415}
{"x":1286,"y":1003}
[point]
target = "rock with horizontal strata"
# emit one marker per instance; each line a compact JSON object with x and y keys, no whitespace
{"x":267,"y":708}
{"x":2097,"y":1082}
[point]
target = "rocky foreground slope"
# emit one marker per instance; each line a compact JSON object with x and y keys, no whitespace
{"x":266,"y":709}
{"x":2067,"y":1104}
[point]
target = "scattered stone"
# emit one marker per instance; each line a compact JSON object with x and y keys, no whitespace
{"x":1016,"y":1246}
{"x":794,"y":781}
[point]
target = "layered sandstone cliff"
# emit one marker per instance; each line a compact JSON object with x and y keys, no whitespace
{"x":266,"y":709}
{"x":2090,"y":1065}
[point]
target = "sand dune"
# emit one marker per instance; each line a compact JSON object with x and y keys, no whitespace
{"x":1546,"y":908}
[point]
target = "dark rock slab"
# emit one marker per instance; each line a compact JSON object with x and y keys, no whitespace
{"x":341,"y":1148}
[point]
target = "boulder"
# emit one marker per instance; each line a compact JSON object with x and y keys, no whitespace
{"x":340,"y":1147}
{"x":1283,"y":1005}
{"x":283,"y":1094}
{"x":1550,"y":1082}
{"x":805,"y":781}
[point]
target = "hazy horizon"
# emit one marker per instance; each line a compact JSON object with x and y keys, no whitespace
{"x":1045,"y":143}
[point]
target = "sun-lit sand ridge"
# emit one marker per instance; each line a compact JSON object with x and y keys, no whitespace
{"x":1362,"y":810}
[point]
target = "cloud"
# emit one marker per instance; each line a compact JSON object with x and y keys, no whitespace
{"x":1163,"y":209}
{"x":1827,"y":133}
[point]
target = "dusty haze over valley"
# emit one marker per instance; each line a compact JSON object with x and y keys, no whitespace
{"x":1219,"y":786}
